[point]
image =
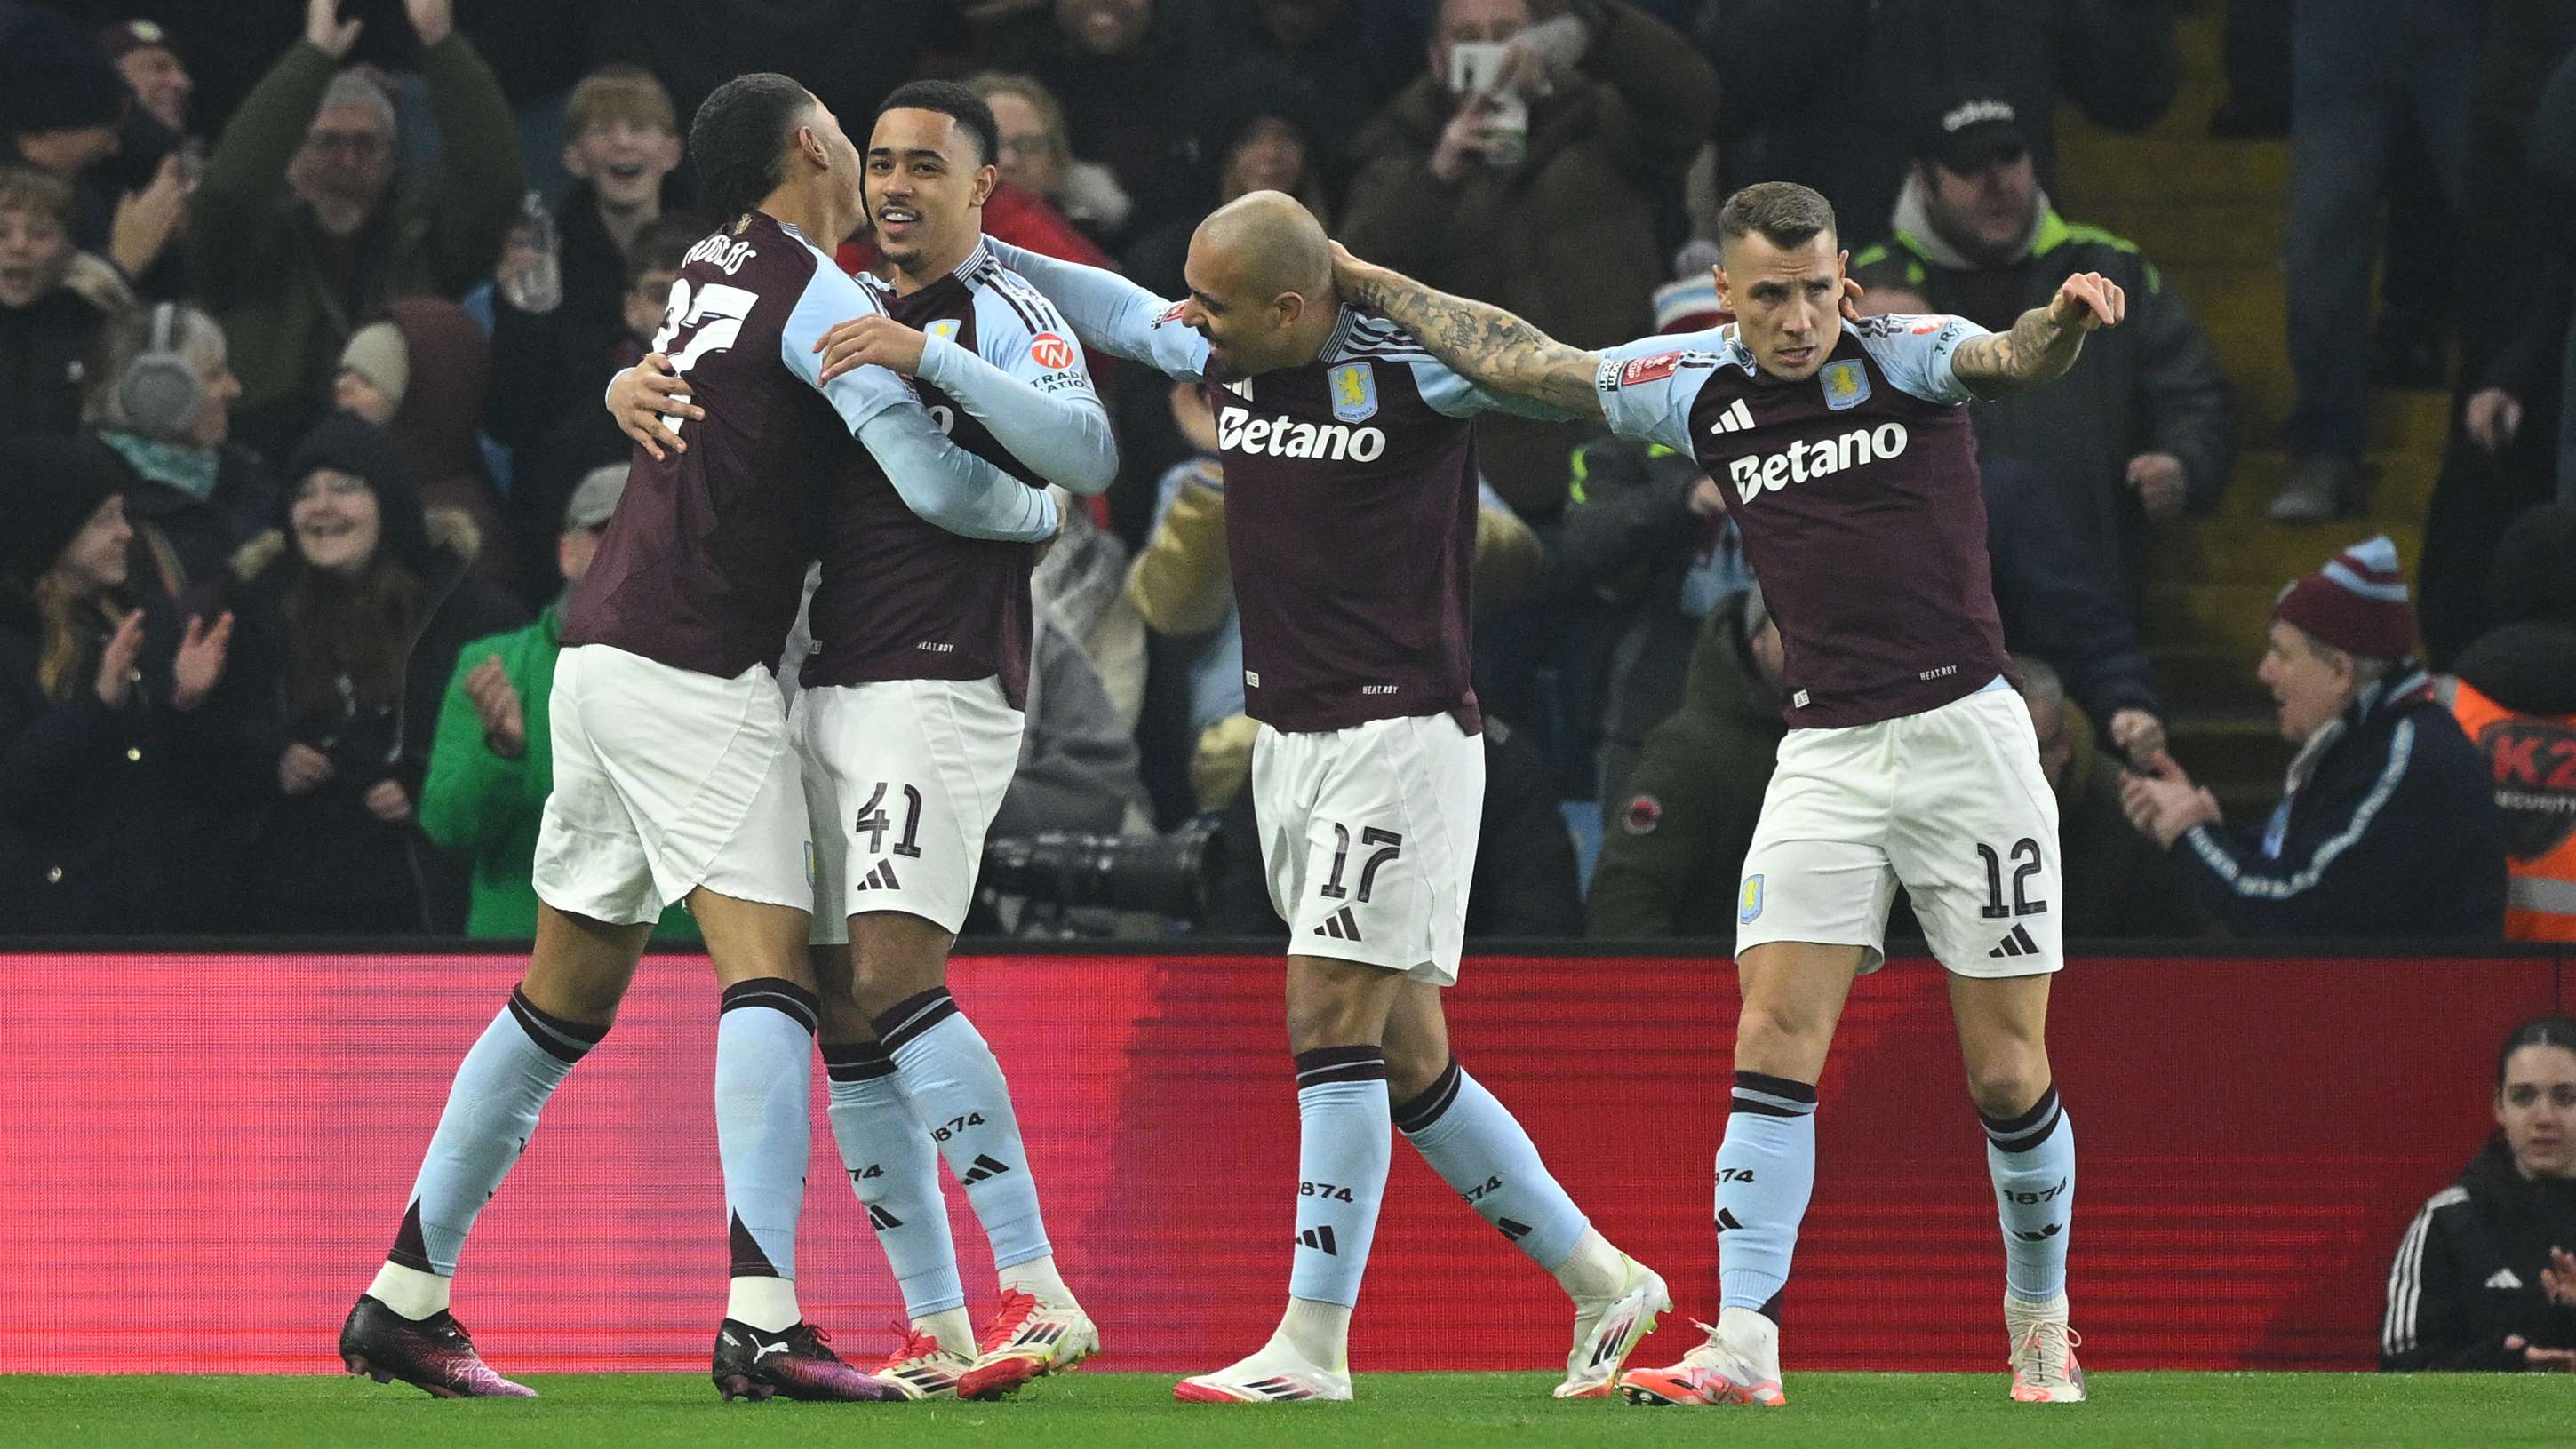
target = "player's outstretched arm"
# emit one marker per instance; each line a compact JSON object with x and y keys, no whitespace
{"x":2044,"y":342}
{"x":1480,"y":342}
{"x":1060,"y":431}
{"x":1110,"y":313}
{"x":950,"y":487}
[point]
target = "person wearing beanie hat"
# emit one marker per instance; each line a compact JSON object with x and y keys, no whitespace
{"x":375,"y":370}
{"x":144,"y":54}
{"x":91,"y":803}
{"x":2388,"y":827}
{"x":60,"y":97}
{"x":353,"y":613}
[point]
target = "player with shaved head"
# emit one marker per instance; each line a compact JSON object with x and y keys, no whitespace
{"x":1908,"y":760}
{"x":1349,"y":465}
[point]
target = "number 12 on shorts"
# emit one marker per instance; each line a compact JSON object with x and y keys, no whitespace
{"x":2025,"y":855}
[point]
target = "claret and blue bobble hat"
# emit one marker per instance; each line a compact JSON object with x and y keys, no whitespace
{"x":2357,"y":602}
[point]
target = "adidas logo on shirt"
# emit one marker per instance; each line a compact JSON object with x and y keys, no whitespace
{"x":1736,"y":419}
{"x":2505,"y":1280}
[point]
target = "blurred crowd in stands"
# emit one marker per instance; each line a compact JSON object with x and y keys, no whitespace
{"x":305,"y":313}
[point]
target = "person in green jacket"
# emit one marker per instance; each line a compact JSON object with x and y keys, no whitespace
{"x":301,"y":230}
{"x":491,"y":763}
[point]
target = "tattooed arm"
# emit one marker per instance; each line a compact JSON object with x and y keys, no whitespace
{"x":1480,"y":342}
{"x":2044,"y":342}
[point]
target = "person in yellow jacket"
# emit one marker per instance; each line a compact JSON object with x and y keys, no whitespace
{"x":2514,"y":694}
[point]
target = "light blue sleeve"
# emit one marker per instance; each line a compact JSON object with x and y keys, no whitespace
{"x":1916,"y":352}
{"x":951,"y":487}
{"x":1649,"y":386}
{"x":1111,"y":313}
{"x":1047,"y":415}
{"x":1447,"y":392}
{"x":830,"y":298}
{"x":943,"y":483}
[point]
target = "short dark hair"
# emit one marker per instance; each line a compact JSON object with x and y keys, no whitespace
{"x":739,"y":138}
{"x":1787,"y":214}
{"x":949,"y":98}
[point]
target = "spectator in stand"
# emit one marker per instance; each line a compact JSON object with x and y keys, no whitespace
{"x":90,"y":796}
{"x":2513,"y":439}
{"x":304,"y":232}
{"x":1261,"y":135}
{"x":1684,"y":815}
{"x":1551,"y":175}
{"x":491,"y":763}
{"x":65,"y":109}
{"x":1038,"y":158}
{"x":2362,"y":72}
{"x":2514,"y":693}
{"x":421,"y":373}
{"x":2138,"y":431}
{"x":1645,"y":552}
{"x":162,"y":399}
{"x":1097,"y":57}
{"x":1333,"y":50}
{"x":2388,"y":827}
{"x":149,"y":60}
{"x":2484,"y":1278}
{"x":1078,"y":760}
{"x":352,"y":618}
{"x":2255,"y":55}
{"x":622,"y":148}
{"x":1842,"y":116}
{"x":55,"y":303}
{"x":545,"y":393}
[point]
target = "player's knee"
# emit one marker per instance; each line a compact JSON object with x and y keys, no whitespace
{"x":1781,"y":1039}
{"x":895,"y":957}
{"x":1337,"y":1003}
{"x":2008,"y":1082}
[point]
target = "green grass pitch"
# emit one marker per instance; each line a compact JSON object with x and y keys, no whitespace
{"x":1409,"y":1411}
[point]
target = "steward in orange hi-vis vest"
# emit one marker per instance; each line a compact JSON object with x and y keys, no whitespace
{"x":2534,"y":759}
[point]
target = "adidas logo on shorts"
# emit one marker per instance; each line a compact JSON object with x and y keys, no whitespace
{"x":2018,"y":943}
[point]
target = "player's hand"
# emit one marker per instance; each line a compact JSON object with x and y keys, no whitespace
{"x":1706,"y":499}
{"x":199,"y":665}
{"x":1063,"y":515}
{"x":2088,"y":300}
{"x":302,"y":769}
{"x":496,"y":704}
{"x":1351,"y":275}
{"x":387,"y":802}
{"x":2160,"y":482}
{"x":2492,"y":417}
{"x":642,"y":396}
{"x":322,"y":27}
{"x":2558,"y":1278}
{"x":2141,"y":737}
{"x":1851,"y":300}
{"x":876,"y":340}
{"x":2547,"y":1360}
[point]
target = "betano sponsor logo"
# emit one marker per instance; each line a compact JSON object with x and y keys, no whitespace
{"x":1769,"y":472}
{"x":1238,"y":431}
